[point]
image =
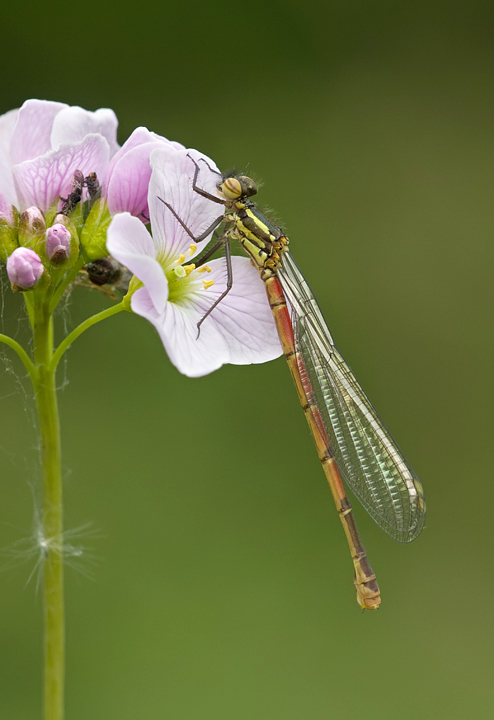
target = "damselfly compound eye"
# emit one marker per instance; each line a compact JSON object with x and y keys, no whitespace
{"x":249,"y":187}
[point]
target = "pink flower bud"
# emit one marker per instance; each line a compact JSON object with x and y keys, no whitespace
{"x":32,"y":227}
{"x":58,"y":244}
{"x":24,"y":268}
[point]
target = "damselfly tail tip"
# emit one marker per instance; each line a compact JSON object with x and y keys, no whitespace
{"x":368,"y":595}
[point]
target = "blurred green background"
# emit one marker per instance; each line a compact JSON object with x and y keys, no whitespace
{"x":222,"y":581}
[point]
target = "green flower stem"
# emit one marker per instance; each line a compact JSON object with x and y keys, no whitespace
{"x":21,"y":353}
{"x":28,"y":299}
{"x":65,"y":344}
{"x":66,"y":282}
{"x":51,"y":542}
{"x":42,"y":373}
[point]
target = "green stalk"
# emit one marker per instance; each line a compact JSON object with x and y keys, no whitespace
{"x":67,"y":342}
{"x":71,"y":275}
{"x":46,"y":399}
{"x":42,"y":373}
{"x":22,"y":354}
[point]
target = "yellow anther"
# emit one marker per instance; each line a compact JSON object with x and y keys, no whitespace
{"x":192,"y":249}
{"x":207,"y":283}
{"x":181,"y":259}
{"x":204,"y":268}
{"x":188,"y":268}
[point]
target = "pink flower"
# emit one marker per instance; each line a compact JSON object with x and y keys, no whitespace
{"x":44,"y":143}
{"x":172,"y":294}
{"x":126,"y":182}
{"x":24,"y":268}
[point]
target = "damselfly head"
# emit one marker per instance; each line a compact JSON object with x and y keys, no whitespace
{"x":237,"y":186}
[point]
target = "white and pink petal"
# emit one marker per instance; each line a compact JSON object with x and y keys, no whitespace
{"x":7,"y":126}
{"x":39,"y":181}
{"x":126,"y":183}
{"x":32,"y":134}
{"x":177,"y":326}
{"x":239,"y":331}
{"x":243,"y":318}
{"x":129,"y":242}
{"x":171,"y":180}
{"x":129,"y":184}
{"x":72,"y":124}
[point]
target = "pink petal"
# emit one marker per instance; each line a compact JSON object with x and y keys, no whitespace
{"x":126,"y":182}
{"x":72,"y":124}
{"x":32,"y":135}
{"x":171,"y":180}
{"x":128,"y":188}
{"x":131,"y":244}
{"x":140,"y":136}
{"x":40,"y":181}
{"x":7,"y":125}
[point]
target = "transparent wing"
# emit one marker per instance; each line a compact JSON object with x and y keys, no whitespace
{"x":367,"y":456}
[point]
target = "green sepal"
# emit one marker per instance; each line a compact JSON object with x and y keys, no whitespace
{"x":77,"y":217}
{"x":93,"y":235}
{"x":52,"y":212}
{"x":8,"y":239}
{"x":134,"y":285}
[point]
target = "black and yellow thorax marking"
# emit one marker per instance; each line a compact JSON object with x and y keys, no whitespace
{"x":262,"y":239}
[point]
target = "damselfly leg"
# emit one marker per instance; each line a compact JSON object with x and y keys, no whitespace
{"x":222,"y":242}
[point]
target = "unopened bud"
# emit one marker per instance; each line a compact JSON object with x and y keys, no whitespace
{"x":32,"y":228}
{"x":58,"y":244}
{"x":8,"y":212}
{"x":24,"y":269}
{"x":62,"y":243}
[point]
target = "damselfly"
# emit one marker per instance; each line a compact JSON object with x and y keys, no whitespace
{"x":351,"y":440}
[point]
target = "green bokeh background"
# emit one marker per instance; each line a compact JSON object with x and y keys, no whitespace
{"x":222,"y":582}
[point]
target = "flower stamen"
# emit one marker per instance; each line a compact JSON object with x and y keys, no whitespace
{"x":207,"y":284}
{"x":192,"y":249}
{"x":189,"y":268}
{"x":181,"y":259}
{"x":204,"y":268}
{"x":180,"y":271}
